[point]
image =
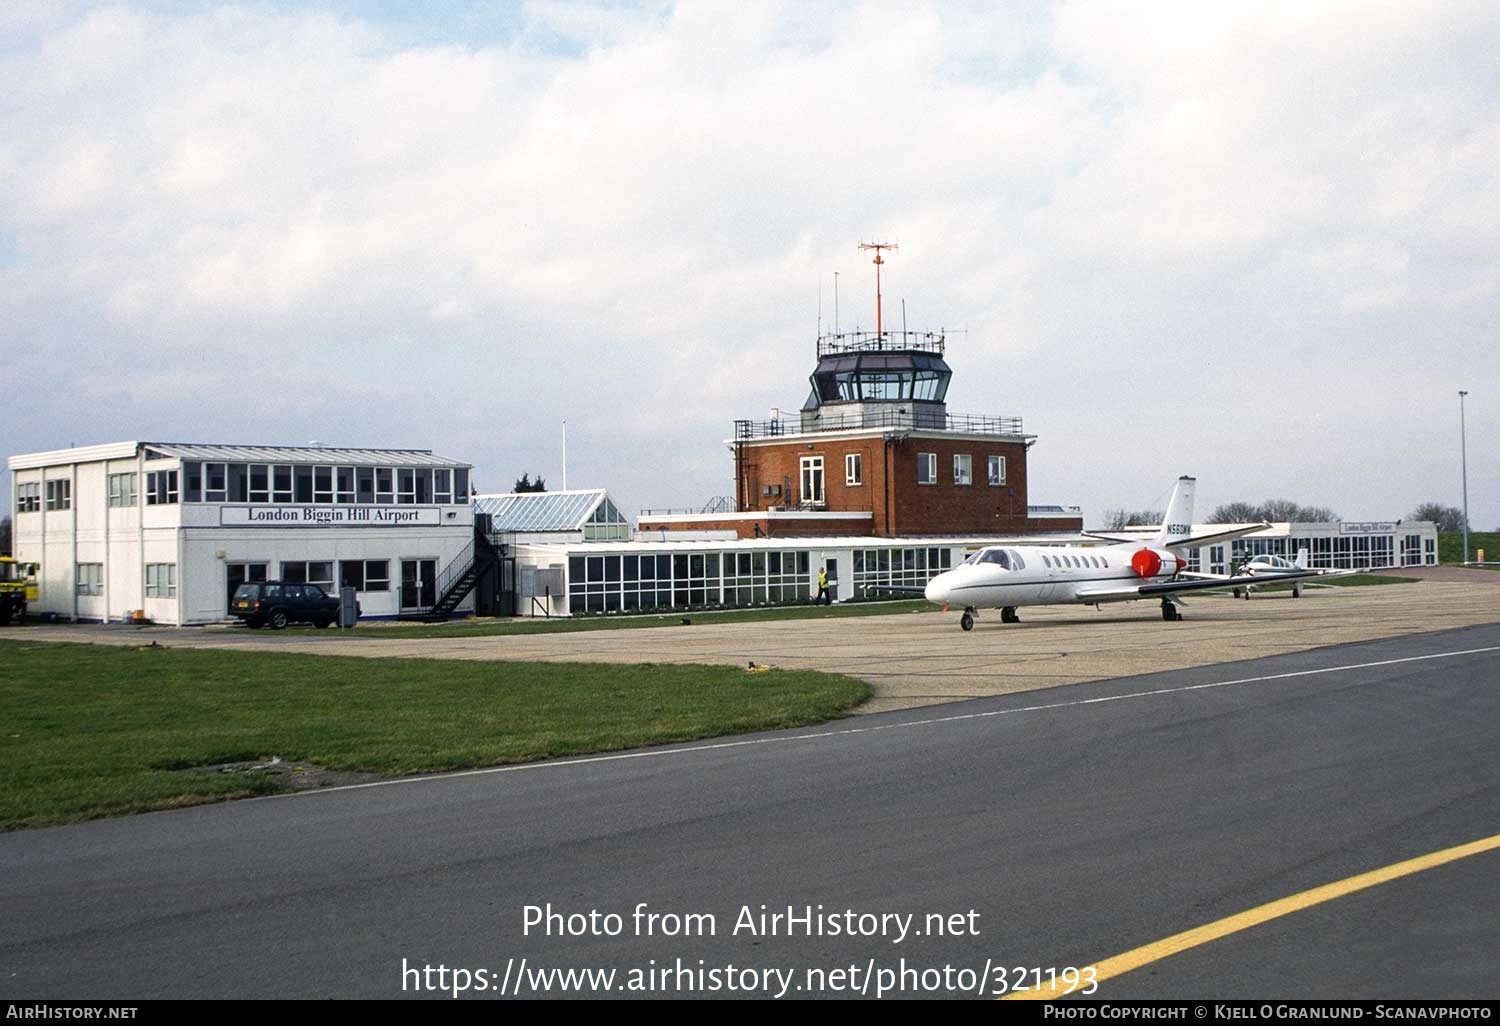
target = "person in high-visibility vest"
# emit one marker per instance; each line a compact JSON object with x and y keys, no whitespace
{"x":823,"y":595}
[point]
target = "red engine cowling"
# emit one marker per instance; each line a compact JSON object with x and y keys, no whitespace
{"x":1146,"y":563}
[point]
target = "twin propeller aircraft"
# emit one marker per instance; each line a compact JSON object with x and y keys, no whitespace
{"x":1006,"y":577}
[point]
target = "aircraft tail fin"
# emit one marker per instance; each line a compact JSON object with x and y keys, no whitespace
{"x":1301,"y":559}
{"x":1178,"y":523}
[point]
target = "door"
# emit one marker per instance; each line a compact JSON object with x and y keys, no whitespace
{"x":237,"y":574}
{"x":418,"y":584}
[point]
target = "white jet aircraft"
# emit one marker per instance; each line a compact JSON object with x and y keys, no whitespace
{"x":1271,"y":569}
{"x":1009,"y":576}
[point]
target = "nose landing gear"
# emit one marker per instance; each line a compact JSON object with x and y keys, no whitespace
{"x":967,"y":620}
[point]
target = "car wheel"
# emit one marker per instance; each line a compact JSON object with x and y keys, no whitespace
{"x":278,"y":620}
{"x":320,"y":624}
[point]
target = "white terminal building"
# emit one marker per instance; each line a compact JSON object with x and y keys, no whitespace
{"x":170,"y":529}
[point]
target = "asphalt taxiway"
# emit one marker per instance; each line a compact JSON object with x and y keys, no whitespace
{"x":1076,"y":824}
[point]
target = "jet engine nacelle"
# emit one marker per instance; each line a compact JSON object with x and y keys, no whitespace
{"x":1152,"y":563}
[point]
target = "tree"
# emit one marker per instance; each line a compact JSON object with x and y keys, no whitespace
{"x":1449,"y":519}
{"x":1116,"y":519}
{"x":1280,"y":511}
{"x":5,"y":536}
{"x":526,"y":484}
{"x":1235,"y":513}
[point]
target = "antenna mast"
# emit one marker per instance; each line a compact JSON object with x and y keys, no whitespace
{"x":877,"y":247}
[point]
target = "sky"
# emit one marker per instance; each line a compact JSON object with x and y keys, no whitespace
{"x":1255,"y":243}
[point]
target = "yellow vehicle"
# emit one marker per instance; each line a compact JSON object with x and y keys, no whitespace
{"x":17,"y":589}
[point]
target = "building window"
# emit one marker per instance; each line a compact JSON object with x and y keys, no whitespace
{"x":281,"y":483}
{"x":90,"y":578}
{"x":317,"y":571}
{"x":161,"y":490}
{"x":365,"y":574}
{"x":215,"y":482}
{"x":963,"y":469}
{"x":28,"y":498}
{"x":926,"y":468}
{"x":192,"y":482}
{"x":345,"y":482}
{"x":239,"y":482}
{"x":406,"y":486}
{"x":161,"y":579}
{"x":812,"y":479}
{"x":122,"y":489}
{"x":59,"y":494}
{"x":323,"y":486}
{"x":853,"y":469}
{"x":460,"y":486}
{"x":997,"y":470}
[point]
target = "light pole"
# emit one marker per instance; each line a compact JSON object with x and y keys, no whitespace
{"x":1463,"y":449}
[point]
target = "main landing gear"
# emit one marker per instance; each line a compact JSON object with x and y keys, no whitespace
{"x":1169,"y":611}
{"x":1007,"y":615}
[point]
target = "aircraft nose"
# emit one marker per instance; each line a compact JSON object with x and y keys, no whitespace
{"x":937,"y":590}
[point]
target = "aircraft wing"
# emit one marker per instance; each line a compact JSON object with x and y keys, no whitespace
{"x":1116,"y":539}
{"x":1217,"y":536}
{"x":1118,"y":593}
{"x":1195,"y":541}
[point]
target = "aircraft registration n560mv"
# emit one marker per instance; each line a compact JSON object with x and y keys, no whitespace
{"x":1005,"y":577}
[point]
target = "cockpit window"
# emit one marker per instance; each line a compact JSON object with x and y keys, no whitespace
{"x":997,"y":556}
{"x":1016,"y":562}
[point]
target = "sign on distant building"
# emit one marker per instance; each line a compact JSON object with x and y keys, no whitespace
{"x":334,"y":516}
{"x":1367,"y":527}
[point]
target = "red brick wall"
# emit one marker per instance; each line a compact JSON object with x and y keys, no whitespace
{"x":779,"y":528}
{"x":889,"y":485}
{"x":948,"y":508}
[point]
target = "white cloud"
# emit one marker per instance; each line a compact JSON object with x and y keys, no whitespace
{"x":1132,"y":211}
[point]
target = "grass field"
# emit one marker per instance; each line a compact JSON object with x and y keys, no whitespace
{"x":89,"y":731}
{"x":1451,"y":546}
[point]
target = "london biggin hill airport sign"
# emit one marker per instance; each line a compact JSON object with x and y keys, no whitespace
{"x":328,"y":516}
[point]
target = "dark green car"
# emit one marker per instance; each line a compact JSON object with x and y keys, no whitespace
{"x":279,"y":603}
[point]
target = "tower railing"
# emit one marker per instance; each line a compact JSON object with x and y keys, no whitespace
{"x":881,"y":341}
{"x":895,"y":419}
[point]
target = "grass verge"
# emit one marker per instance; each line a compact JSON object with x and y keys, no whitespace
{"x":88,"y":731}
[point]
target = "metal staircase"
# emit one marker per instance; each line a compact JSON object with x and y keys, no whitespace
{"x":479,"y":557}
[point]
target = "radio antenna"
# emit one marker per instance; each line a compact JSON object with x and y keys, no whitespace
{"x":877,"y":247}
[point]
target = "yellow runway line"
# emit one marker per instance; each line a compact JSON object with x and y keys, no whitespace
{"x":1189,"y":939}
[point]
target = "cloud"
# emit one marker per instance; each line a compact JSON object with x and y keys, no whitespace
{"x":626,"y":215}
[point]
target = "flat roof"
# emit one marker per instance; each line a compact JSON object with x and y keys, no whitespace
{"x":218,"y":453}
{"x":803,"y":542}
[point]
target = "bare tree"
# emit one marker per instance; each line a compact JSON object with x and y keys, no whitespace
{"x":1275,"y":510}
{"x":1235,"y":513}
{"x":1449,"y":519}
{"x":5,"y":535}
{"x":1115,"y":519}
